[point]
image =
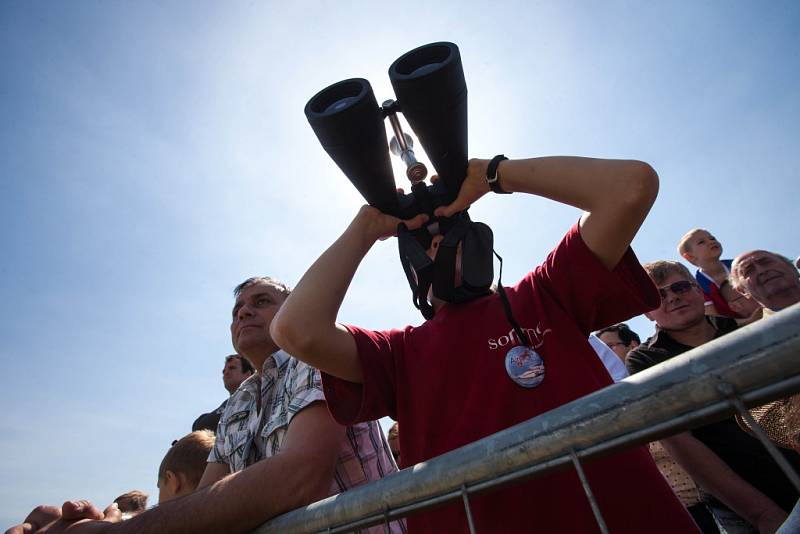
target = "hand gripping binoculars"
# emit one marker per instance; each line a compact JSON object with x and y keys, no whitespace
{"x":432,"y":95}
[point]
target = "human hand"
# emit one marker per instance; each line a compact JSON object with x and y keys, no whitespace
{"x":770,"y":520}
{"x":473,"y":187}
{"x":376,"y":225}
{"x":82,"y":517}
{"x":39,"y":516}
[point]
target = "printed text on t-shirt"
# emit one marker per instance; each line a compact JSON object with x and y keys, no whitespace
{"x":536,"y":335}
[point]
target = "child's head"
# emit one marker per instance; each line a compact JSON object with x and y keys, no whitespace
{"x":183,"y":465}
{"x":699,"y":247}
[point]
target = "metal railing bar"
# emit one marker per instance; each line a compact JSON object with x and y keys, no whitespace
{"x":643,"y":435}
{"x":465,"y":498}
{"x":588,"y":491}
{"x":720,"y":409}
{"x":759,"y":360}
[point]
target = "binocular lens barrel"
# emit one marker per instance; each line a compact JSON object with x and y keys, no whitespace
{"x":349,"y":125}
{"x":430,"y":87}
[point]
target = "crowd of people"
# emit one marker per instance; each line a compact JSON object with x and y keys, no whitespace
{"x":305,"y":391}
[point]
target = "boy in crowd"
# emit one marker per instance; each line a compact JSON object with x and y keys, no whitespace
{"x":132,"y":503}
{"x":745,"y":489}
{"x":702,"y":250}
{"x":183,"y":465}
{"x":449,"y":382}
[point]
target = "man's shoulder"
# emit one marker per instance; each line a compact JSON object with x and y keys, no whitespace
{"x":292,"y":368}
{"x":652,"y":352}
{"x":240,"y":402}
{"x":723,"y":325}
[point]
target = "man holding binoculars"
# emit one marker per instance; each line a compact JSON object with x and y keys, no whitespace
{"x":448,"y":385}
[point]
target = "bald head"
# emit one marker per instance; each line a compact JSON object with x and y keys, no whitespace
{"x":768,"y":278}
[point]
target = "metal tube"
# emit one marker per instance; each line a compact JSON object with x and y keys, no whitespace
{"x":467,"y":510}
{"x":398,"y":131}
{"x":760,"y":361}
{"x":588,"y":491}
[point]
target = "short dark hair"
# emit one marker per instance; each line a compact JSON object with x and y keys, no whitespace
{"x":247,"y":367}
{"x":282,"y":288}
{"x":660,"y":270}
{"x":626,"y":335}
{"x":132,"y":502}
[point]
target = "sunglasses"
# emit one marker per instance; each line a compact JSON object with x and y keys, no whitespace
{"x":678,"y":288}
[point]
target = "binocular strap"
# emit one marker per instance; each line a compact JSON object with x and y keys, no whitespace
{"x":522,"y":336}
{"x":419,"y":269}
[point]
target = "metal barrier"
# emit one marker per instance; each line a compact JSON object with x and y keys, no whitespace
{"x":755,"y":364}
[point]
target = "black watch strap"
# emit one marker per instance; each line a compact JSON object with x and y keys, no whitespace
{"x":491,"y":175}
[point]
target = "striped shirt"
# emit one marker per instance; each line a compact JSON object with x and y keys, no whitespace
{"x":245,"y":435}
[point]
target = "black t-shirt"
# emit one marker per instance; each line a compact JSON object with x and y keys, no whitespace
{"x":210,"y":420}
{"x":742,"y":452}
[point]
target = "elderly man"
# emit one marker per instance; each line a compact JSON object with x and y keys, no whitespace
{"x":768,"y":278}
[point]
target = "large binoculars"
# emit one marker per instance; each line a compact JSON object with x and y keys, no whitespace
{"x":432,"y":95}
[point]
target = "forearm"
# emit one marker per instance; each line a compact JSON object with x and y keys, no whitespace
{"x":715,"y":477}
{"x":237,"y":503}
{"x":319,"y":294}
{"x":586,"y":183}
{"x":616,"y":195}
{"x":305,"y":326}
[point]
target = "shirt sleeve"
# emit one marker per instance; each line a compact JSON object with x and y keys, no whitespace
{"x":217,"y":454}
{"x":592,"y":295}
{"x":350,"y":402}
{"x":610,"y":360}
{"x":637,"y":361}
{"x":305,"y":389}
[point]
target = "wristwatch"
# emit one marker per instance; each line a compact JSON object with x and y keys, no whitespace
{"x":492,"y":177}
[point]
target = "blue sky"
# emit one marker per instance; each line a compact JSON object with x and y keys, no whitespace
{"x":153,"y":155}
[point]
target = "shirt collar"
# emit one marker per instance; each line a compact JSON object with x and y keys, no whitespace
{"x":275,"y":360}
{"x":722,"y":325}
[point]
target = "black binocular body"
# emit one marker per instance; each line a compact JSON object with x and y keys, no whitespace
{"x":432,"y":95}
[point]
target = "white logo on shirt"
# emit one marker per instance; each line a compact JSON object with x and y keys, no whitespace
{"x":536,"y":335}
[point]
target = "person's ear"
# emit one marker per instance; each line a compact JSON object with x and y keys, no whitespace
{"x":688,"y":257}
{"x":173,"y":481}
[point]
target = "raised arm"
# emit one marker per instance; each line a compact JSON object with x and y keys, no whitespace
{"x":615,"y":194}
{"x":305,"y":326}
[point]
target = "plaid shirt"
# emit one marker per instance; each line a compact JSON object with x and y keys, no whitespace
{"x":287,"y":386}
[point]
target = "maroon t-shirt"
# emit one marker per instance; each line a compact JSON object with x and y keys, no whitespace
{"x":446,"y":383}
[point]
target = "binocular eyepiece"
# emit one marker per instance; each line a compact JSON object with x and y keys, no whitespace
{"x":432,"y":95}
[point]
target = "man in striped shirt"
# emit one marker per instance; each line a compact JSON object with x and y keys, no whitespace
{"x":277,"y":448}
{"x":279,"y":415}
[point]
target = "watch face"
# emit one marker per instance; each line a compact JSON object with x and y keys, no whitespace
{"x":524,"y":366}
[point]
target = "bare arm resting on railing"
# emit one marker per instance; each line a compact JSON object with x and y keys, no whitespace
{"x":714,"y":476}
{"x":615,"y":194}
{"x":301,"y":473}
